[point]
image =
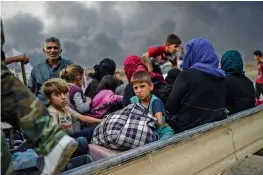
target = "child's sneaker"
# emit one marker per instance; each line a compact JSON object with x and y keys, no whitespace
{"x":57,"y":159}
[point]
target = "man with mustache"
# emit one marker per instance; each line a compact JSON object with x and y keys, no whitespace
{"x":49,"y":69}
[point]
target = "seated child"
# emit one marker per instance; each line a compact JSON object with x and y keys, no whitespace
{"x":142,"y":86}
{"x":105,"y":100}
{"x":74,"y":76}
{"x":56,"y":92}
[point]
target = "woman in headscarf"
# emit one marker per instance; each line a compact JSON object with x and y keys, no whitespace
{"x":133,"y":64}
{"x":240,"y":93}
{"x":106,"y":67}
{"x":198,"y":96}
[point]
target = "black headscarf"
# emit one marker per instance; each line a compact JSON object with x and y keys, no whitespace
{"x":172,"y":75}
{"x":106,"y":67}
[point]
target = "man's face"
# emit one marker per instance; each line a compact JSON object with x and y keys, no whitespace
{"x":172,"y":48}
{"x":142,"y":90}
{"x":52,"y":51}
{"x":59,"y":100}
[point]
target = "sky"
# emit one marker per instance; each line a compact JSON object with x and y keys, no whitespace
{"x":91,"y":31}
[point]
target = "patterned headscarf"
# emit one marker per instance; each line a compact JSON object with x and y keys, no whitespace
{"x":232,"y":63}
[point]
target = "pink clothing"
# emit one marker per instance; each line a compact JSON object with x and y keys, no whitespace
{"x":102,"y":102}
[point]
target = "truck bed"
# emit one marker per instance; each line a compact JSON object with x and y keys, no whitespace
{"x":209,"y":149}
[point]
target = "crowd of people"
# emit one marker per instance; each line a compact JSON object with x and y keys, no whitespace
{"x":64,"y":104}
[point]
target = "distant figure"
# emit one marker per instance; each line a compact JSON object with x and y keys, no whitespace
{"x":198,"y":96}
{"x":51,"y":68}
{"x":181,"y":58}
{"x":259,"y":81}
{"x":240,"y":93}
{"x":166,"y":51}
{"x":117,"y":75}
{"x":121,"y":88}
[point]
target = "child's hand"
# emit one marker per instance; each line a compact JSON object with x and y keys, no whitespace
{"x":161,"y":124}
{"x":90,"y":120}
{"x":88,"y":100}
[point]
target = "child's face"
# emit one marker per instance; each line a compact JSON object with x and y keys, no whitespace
{"x":172,"y":48}
{"x":142,"y":90}
{"x":59,"y":100}
{"x":80,"y":80}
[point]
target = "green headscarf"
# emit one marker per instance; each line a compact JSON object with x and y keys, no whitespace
{"x":232,"y":63}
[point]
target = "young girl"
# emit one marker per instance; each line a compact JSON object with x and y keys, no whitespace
{"x":105,"y":100}
{"x":74,"y":75}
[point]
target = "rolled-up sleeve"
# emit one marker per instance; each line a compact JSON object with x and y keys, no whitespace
{"x":79,"y":103}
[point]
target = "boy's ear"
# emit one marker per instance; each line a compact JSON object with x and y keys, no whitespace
{"x":48,"y":99}
{"x":151,"y":86}
{"x":44,"y":51}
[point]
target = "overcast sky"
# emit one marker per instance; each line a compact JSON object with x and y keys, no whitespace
{"x":91,"y":31}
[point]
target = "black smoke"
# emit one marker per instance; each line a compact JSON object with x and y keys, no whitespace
{"x":117,"y":29}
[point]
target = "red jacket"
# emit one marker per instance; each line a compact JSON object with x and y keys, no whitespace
{"x":260,"y":73}
{"x":158,"y":52}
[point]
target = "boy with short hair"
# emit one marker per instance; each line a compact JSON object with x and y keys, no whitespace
{"x":166,"y":51}
{"x":142,"y":86}
{"x":259,"y":82}
{"x":56,"y":93}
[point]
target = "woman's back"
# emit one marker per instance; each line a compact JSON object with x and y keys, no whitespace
{"x":198,"y":94}
{"x":240,"y":93}
{"x":197,"y":98}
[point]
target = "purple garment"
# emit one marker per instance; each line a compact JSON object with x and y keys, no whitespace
{"x":200,"y":55}
{"x":72,"y":90}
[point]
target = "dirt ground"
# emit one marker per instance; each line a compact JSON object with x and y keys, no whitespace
{"x":252,"y":165}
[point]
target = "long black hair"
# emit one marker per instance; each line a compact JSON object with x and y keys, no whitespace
{"x":108,"y":82}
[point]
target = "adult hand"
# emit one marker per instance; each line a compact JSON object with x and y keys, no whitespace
{"x":22,"y":58}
